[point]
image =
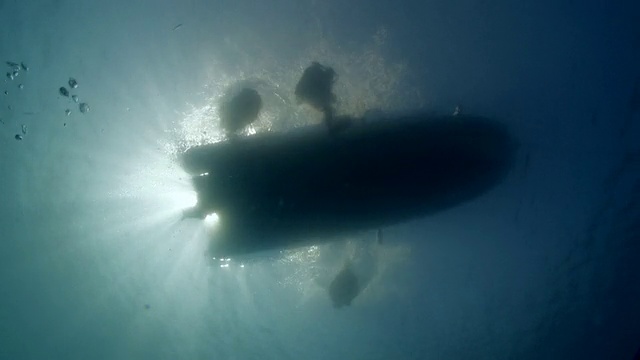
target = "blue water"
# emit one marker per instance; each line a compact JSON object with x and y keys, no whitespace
{"x":95,"y":263}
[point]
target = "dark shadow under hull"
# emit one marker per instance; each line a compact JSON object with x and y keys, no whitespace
{"x":277,"y":190}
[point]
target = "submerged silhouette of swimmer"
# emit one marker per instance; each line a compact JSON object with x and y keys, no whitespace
{"x":241,"y":110}
{"x":316,"y":89}
{"x":344,"y":287}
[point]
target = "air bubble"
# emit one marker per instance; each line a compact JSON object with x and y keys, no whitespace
{"x":84,"y":107}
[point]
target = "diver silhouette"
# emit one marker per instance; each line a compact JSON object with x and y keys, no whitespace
{"x":344,"y":287}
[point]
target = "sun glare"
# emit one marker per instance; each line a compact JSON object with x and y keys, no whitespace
{"x":211,"y":219}
{"x":183,"y":198}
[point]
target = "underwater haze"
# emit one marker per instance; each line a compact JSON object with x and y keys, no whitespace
{"x":98,"y":99}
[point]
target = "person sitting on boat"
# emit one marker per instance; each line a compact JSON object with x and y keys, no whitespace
{"x":240,"y":110}
{"x":316,"y":89}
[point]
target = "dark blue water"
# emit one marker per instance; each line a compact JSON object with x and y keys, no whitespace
{"x":96,"y":264}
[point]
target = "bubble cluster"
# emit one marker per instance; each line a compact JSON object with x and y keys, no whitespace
{"x":73,"y":84}
{"x":14,"y":70}
{"x":10,"y":117}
